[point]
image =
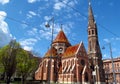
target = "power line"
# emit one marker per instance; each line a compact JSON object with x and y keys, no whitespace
{"x":18,"y":21}
{"x":108,"y":30}
{"x":76,"y":10}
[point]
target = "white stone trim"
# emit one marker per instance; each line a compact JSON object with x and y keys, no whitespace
{"x":52,"y":65}
{"x":68,"y":67}
{"x":64,"y":69}
{"x":84,"y":69}
{"x":72,"y":67}
{"x":78,"y":48}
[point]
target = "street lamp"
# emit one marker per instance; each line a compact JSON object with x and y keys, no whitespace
{"x":47,"y":25}
{"x":114,"y":76}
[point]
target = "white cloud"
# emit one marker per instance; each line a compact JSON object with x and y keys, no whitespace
{"x":106,"y":40}
{"x":46,"y":32}
{"x":71,"y":3}
{"x":59,"y":5}
{"x":28,"y":48}
{"x":32,"y":1}
{"x":47,"y":18}
{"x":111,"y":39}
{"x":5,"y":35}
{"x":28,"y":44}
{"x":30,"y":41}
{"x":31,"y":14}
{"x":118,"y":39}
{"x":105,"y":55}
{"x":4,"y":1}
{"x":33,"y":31}
{"x":2,"y":15}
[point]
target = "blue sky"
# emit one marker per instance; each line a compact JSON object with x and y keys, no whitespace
{"x":24,"y":21}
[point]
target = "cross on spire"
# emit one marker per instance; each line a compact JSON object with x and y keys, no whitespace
{"x":89,"y":2}
{"x":61,"y":26}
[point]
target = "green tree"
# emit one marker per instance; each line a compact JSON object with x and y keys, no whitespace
{"x":8,"y":59}
{"x":37,"y":59}
{"x":1,"y":71}
{"x":25,"y":64}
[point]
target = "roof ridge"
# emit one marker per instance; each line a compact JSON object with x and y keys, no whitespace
{"x":79,"y":47}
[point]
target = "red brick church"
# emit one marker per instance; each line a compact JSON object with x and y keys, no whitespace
{"x":66,"y":63}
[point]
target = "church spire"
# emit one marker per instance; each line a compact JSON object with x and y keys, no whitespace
{"x":94,"y":51}
{"x":93,"y":43}
{"x":91,"y":21}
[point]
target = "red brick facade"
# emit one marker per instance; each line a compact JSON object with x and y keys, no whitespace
{"x":72,"y":67}
{"x":64,"y":63}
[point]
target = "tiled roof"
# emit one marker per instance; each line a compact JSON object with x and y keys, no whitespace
{"x":61,"y":38}
{"x":71,"y":51}
{"x":50,"y":52}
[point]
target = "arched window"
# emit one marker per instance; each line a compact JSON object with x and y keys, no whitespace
{"x":92,"y":31}
{"x":90,"y":47}
{"x":89,"y":32}
{"x":86,"y":77}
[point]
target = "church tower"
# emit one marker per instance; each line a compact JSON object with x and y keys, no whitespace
{"x":61,"y":42}
{"x":94,"y":51}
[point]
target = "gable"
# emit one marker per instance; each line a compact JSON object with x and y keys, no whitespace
{"x":81,"y":50}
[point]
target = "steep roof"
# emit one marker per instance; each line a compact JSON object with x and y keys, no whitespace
{"x":61,"y":38}
{"x":70,"y":51}
{"x":73,"y":50}
{"x":51,"y":52}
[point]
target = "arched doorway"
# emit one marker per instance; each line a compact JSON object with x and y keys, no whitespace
{"x":86,"y":77}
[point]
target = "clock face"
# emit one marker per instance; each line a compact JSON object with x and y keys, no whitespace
{"x":60,"y":49}
{"x":82,"y":62}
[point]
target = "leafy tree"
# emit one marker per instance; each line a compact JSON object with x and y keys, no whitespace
{"x":8,"y":59}
{"x":1,"y":71}
{"x":36,"y":57}
{"x":25,"y":64}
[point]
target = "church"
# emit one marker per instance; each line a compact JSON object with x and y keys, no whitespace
{"x":73,"y":64}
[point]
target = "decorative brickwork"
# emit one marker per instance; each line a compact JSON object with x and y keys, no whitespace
{"x":64,"y":63}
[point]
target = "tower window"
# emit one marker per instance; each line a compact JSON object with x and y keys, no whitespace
{"x":90,"y":46}
{"x":92,"y":31}
{"x":89,"y":32}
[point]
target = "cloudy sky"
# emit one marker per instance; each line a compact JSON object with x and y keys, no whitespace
{"x":24,"y":21}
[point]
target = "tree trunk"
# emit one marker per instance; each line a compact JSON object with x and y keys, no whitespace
{"x":8,"y":80}
{"x":23,"y":80}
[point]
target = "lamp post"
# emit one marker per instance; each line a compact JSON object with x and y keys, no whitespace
{"x":114,"y":76}
{"x":47,"y":25}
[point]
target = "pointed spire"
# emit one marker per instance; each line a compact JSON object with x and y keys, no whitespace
{"x":61,"y":27}
{"x":91,"y":22}
{"x":61,"y":38}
